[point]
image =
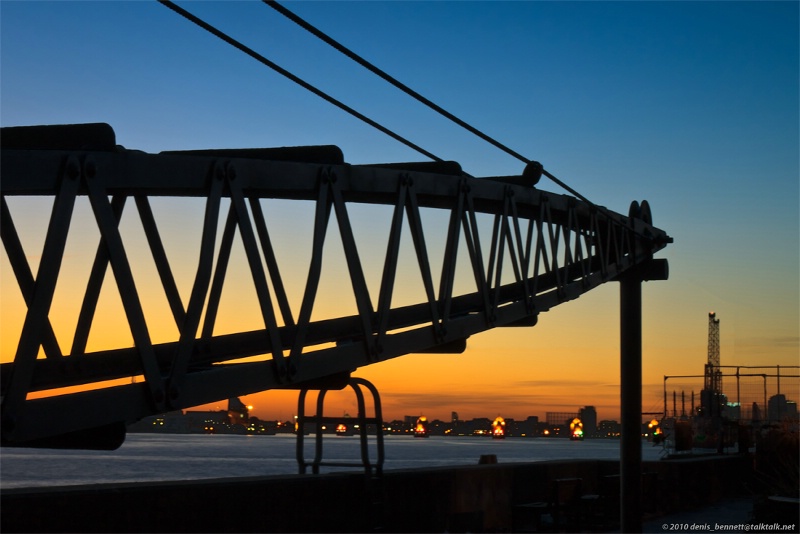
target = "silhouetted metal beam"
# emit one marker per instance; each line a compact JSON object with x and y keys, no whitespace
{"x":631,"y":389}
{"x":630,"y":362}
{"x":555,"y":248}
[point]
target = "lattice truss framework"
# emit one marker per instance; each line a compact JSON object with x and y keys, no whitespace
{"x":556,"y":246}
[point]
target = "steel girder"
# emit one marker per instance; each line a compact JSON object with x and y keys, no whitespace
{"x":556,"y":246}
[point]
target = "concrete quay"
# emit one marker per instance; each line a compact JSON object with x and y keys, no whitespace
{"x":477,"y":498}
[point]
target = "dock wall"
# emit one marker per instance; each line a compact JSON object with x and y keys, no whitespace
{"x":468,"y":498}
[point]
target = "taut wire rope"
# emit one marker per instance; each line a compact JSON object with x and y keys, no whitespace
{"x":261,"y":59}
{"x":403,"y":87}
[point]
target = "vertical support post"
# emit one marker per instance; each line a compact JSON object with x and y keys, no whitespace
{"x":631,"y":403}
{"x":738,"y":396}
{"x":630,"y":461}
{"x":675,"y":403}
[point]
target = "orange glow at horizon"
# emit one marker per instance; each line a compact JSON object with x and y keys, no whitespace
{"x":569,"y":360}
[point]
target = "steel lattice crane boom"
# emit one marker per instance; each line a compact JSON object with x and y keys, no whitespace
{"x":543,"y":249}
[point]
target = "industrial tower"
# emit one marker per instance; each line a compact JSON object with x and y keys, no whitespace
{"x":712,"y":401}
{"x":713,"y":375}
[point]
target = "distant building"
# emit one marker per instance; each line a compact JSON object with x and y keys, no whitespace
{"x":588,"y":416}
{"x":733,"y":411}
{"x":712,"y":403}
{"x":207,"y":422}
{"x":478,"y":427}
{"x":560,"y":418}
{"x":398,"y":427}
{"x":528,"y":428}
{"x":778,"y":408}
{"x":609,"y":429}
{"x":230,"y":421}
{"x":166,"y":423}
{"x":238,"y":413}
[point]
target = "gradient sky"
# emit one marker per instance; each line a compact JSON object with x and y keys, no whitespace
{"x":692,"y":106}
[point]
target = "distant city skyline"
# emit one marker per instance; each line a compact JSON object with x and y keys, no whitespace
{"x":579,"y":424}
{"x":756,"y":383}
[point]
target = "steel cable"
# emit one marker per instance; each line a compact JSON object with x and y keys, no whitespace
{"x":398,"y":84}
{"x":261,"y":59}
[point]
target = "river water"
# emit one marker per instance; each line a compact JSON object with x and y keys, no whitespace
{"x":153,"y":457}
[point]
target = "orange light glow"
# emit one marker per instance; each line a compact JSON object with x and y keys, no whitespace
{"x":421,"y":427}
{"x":498,"y":427}
{"x":576,"y":429}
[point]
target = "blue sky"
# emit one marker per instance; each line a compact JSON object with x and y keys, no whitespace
{"x":692,"y":106}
